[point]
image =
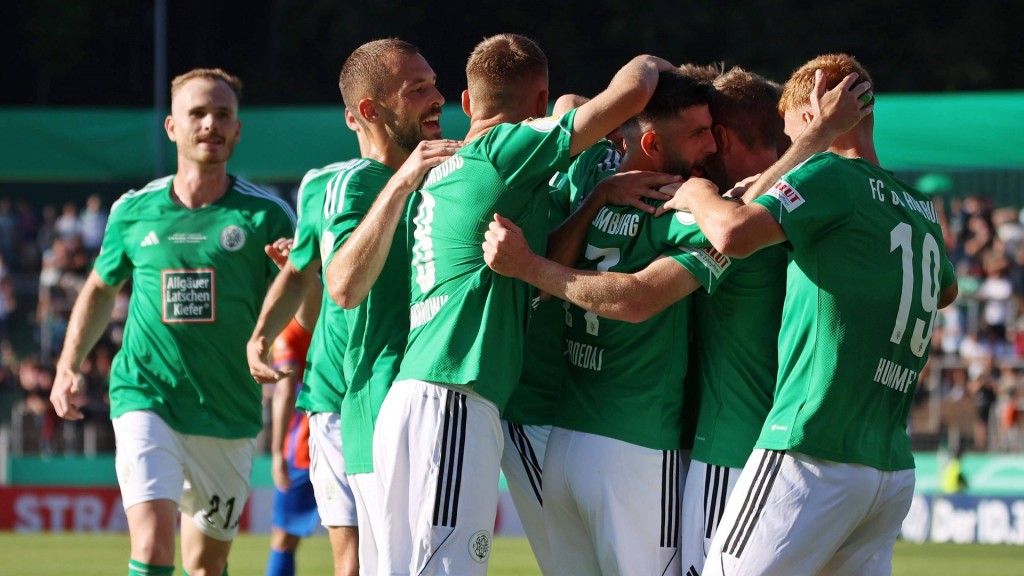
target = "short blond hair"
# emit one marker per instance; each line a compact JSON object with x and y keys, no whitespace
{"x":500,"y":68}
{"x":231,"y":80}
{"x":797,"y":91}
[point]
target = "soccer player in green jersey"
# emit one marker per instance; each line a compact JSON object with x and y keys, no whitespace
{"x":831,"y":477}
{"x":464,"y":356}
{"x":604,"y":470}
{"x":391,"y":98}
{"x":185,"y":410}
{"x":735,"y":357}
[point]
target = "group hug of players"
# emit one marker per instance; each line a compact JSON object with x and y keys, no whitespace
{"x":533,"y":297}
{"x":579,"y":398}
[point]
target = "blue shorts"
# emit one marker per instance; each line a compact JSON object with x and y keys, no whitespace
{"x":295,"y":509}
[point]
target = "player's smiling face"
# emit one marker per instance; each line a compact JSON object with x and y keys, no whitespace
{"x":687,"y":141}
{"x":414,"y":102}
{"x":204,"y":121}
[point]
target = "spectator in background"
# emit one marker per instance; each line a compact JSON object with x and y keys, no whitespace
{"x":47,"y":230}
{"x":8,"y":232}
{"x":68,"y":225}
{"x":995,"y":291}
{"x":36,"y":381}
{"x":93,"y":223}
{"x":8,"y":304}
{"x":28,"y":229}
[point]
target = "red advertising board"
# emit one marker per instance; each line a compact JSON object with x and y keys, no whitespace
{"x":72,"y":509}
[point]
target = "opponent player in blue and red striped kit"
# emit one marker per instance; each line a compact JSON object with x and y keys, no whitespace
{"x":295,"y":515}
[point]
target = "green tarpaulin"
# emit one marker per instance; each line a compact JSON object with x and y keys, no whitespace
{"x":914,"y":132}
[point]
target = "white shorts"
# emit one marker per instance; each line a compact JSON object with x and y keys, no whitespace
{"x":207,"y":477}
{"x":611,"y":507}
{"x":365,"y":490}
{"x":522,"y":462}
{"x":334,"y":499}
{"x":794,"y":514}
{"x":705,"y":493}
{"x":437,"y":454}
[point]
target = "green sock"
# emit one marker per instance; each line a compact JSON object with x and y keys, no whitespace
{"x":136,"y":568}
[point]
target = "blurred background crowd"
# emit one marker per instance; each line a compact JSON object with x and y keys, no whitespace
{"x":971,"y":395}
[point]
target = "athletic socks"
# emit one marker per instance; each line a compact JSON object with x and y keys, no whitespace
{"x":136,"y":568}
{"x":281,"y":563}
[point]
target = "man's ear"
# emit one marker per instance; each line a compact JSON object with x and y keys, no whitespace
{"x":541,"y":106}
{"x":467,"y":106}
{"x":721,"y":137}
{"x":650,"y":143}
{"x":169,"y":127}
{"x":807,"y":117}
{"x":367,"y":110}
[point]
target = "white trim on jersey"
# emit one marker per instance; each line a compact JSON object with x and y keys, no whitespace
{"x":334,"y":199}
{"x":158,"y":184}
{"x":250,"y":189}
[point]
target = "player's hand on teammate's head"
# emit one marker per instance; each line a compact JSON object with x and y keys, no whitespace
{"x":257,"y":353}
{"x":680,"y":198}
{"x":67,"y":395}
{"x":741,"y":187}
{"x":279,"y":250}
{"x":841,"y":108}
{"x":632,"y":188}
{"x":505,"y":248}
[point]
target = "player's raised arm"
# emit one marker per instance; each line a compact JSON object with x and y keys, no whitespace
{"x":284,"y":297}
{"x":89,"y":318}
{"x":625,"y":97}
{"x":357,"y":264}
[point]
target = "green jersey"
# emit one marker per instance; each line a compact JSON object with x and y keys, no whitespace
{"x":198,"y":281}
{"x":467,"y":323}
{"x":535,"y":400}
{"x":737,"y":360}
{"x":862,"y":288}
{"x":323,"y":384}
{"x":626,"y":379}
{"x":377,"y":328}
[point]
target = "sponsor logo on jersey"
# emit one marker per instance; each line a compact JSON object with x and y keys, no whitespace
{"x":783,"y":192}
{"x":776,"y":427}
{"x":894,"y":376}
{"x":232,"y":238}
{"x":150,"y":240}
{"x":584,"y":355}
{"x":685,"y":217}
{"x":188,"y":295}
{"x":712,"y":259}
{"x":545,"y":124}
{"x":480,"y":546}
{"x":189,"y":238}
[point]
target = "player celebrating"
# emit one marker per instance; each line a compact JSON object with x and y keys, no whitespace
{"x":832,"y":477}
{"x":439,"y":444}
{"x":736,"y":359}
{"x":602,"y":470}
{"x":185,"y":410}
{"x":393,"y":103}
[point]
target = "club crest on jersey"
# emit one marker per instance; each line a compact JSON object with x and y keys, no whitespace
{"x":786,"y":194}
{"x":480,"y":546}
{"x":545,"y":124}
{"x":686,"y":218}
{"x":232,"y":238}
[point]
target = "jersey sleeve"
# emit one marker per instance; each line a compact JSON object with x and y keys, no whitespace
{"x":291,"y":345}
{"x":588,"y":169}
{"x":801,"y":203}
{"x":113,"y":264}
{"x":681,"y":239}
{"x":524,"y":152}
{"x":310,"y":202}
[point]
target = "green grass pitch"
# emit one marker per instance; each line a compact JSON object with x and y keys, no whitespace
{"x":106,"y":554}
